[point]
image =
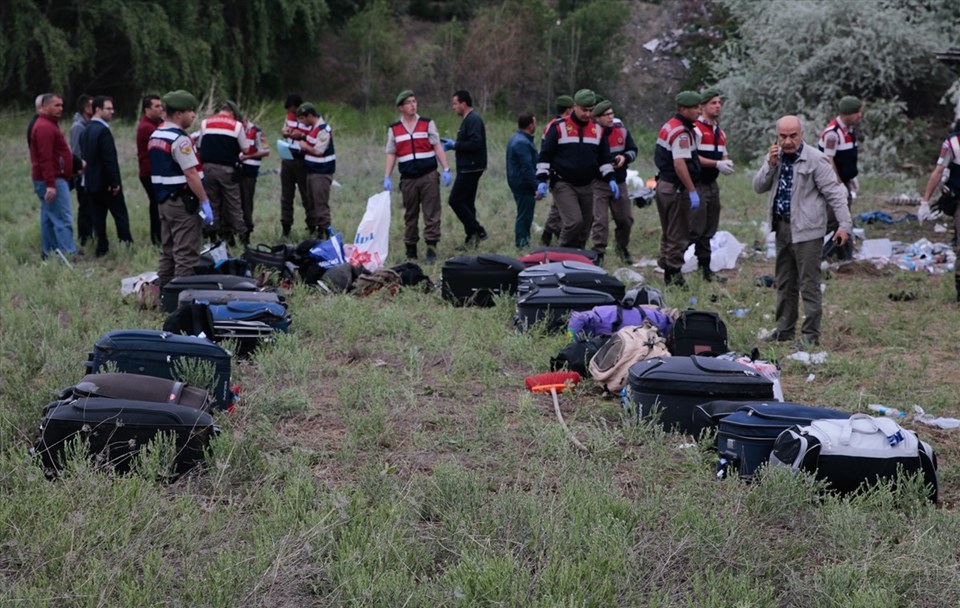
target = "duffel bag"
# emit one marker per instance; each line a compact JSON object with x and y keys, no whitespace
{"x":861,"y":450}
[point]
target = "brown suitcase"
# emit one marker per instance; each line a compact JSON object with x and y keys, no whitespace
{"x":135,"y":387}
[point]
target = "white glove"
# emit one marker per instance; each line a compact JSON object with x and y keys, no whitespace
{"x":854,"y":185}
{"x":923,"y":211}
{"x":725,"y":167}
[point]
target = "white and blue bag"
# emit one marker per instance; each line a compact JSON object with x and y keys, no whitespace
{"x":861,"y":450}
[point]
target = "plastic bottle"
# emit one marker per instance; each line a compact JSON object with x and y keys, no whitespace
{"x":883,"y":410}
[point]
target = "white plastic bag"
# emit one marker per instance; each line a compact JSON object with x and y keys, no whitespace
{"x":371,"y":244}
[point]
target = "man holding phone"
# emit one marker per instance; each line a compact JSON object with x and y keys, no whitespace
{"x":802,"y":185}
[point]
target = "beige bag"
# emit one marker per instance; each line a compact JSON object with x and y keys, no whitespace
{"x":610,"y":366}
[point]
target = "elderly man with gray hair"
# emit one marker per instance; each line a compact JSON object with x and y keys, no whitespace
{"x":802,"y":185}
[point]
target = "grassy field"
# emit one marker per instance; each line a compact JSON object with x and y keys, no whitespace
{"x":386,"y":452}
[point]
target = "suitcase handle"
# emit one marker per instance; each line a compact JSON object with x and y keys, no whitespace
{"x":175,"y":391}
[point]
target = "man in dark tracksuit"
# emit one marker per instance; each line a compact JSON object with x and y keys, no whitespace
{"x":572,"y":154}
{"x":679,"y":169}
{"x":471,"y":149}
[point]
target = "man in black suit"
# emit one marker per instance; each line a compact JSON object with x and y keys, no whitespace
{"x":101,"y":178}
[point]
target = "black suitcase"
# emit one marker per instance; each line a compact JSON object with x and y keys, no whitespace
{"x":138,"y":388}
{"x":169,"y":296}
{"x":554,"y":304}
{"x":155,"y":353}
{"x":278,"y":258}
{"x":571,"y":274}
{"x":677,"y":385}
{"x":116,"y":429}
{"x":746,"y":437}
{"x":697,"y":332}
{"x":473,"y":280}
{"x":222,"y":296}
{"x":587,"y":253}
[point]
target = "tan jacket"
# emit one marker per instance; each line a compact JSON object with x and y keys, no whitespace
{"x":815,"y":186}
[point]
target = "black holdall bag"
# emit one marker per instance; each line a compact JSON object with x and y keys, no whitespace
{"x":137,"y":387}
{"x":860,"y":450}
{"x":116,"y":430}
{"x":277,"y":258}
{"x":576,"y":356}
{"x":554,"y":305}
{"x":158,"y":353}
{"x":170,"y":294}
{"x":746,"y":437}
{"x":698,"y":332}
{"x":474,"y":280}
{"x":571,"y":274}
{"x":677,"y":385}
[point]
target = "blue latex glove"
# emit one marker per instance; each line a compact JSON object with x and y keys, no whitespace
{"x":614,"y":188}
{"x":448,"y":144}
{"x":387,"y":183}
{"x":542,"y":189}
{"x":694,"y":200}
{"x":445,"y":178}
{"x":206,"y":213}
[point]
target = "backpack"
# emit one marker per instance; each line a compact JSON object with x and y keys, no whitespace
{"x":697,"y":332}
{"x":610,"y":366}
{"x":576,"y":355}
{"x":412,"y":275}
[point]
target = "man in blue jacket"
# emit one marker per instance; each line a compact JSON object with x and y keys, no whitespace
{"x":522,"y":176}
{"x":471,"y":149}
{"x":101,"y":178}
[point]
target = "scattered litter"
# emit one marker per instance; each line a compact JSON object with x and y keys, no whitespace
{"x":807,"y":359}
{"x":905,"y":200}
{"x":874,"y":216}
{"x":876,"y":248}
{"x":890,"y":412}
{"x":763,"y":334}
{"x":628,"y":276}
{"x":823,"y":288}
{"x":129,"y":284}
{"x":811,"y":377}
{"x":765,"y":281}
{"x":217,"y":251}
{"x":693,"y":300}
{"x":724,"y":251}
{"x":940,"y":228}
{"x":642,"y":262}
{"x":686,"y":446}
{"x":930,"y":420}
{"x":738,"y":312}
{"x":767,"y":369}
{"x":924,"y":256}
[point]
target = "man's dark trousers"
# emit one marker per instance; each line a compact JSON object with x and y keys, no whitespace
{"x":103,"y":203}
{"x":154,"y":210}
{"x":463,"y":197}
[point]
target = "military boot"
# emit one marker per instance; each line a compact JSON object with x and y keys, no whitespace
{"x":412,"y":251}
{"x":431,"y":257}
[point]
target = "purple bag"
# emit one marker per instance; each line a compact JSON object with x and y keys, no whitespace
{"x":607,"y":319}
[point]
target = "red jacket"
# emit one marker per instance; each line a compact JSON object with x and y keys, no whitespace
{"x":145,"y":129}
{"x":50,"y":155}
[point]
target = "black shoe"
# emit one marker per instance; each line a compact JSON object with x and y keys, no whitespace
{"x":482,"y":234}
{"x":470,"y":243}
{"x":412,"y":252}
{"x":431,"y":256}
{"x":599,"y":260}
{"x":546,"y":238}
{"x":625,"y":256}
{"x":673,"y":277}
{"x":286,"y":231}
{"x":710,"y":276}
{"x":778,"y":336}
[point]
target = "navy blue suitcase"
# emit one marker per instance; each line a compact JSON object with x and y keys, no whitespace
{"x":170,"y":294}
{"x":116,"y":429}
{"x":155,"y":353}
{"x":677,"y":385}
{"x":746,"y":437}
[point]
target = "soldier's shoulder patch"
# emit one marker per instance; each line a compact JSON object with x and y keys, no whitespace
{"x":683,"y":140}
{"x":830,"y":142}
{"x":185,"y":146}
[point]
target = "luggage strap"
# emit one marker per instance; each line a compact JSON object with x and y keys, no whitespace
{"x":619,"y":320}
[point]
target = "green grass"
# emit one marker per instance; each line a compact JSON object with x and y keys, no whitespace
{"x":385,"y":453}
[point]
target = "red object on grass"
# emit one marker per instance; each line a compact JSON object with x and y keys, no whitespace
{"x":545,"y":257}
{"x":558,"y":381}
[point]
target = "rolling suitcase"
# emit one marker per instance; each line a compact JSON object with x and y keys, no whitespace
{"x":138,"y":388}
{"x":473,"y":280}
{"x":554,"y":305}
{"x":552,"y":251}
{"x":746,"y":437}
{"x":697,"y":332}
{"x":677,"y":385}
{"x":169,"y":296}
{"x":250,"y":323}
{"x":571,"y":274}
{"x":158,"y":353}
{"x":116,"y":429}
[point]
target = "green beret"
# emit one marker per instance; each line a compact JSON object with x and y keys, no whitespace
{"x":233,"y":107}
{"x":602,"y":107}
{"x":307,"y":108}
{"x":688,"y":99}
{"x":709,"y":94}
{"x":403,"y":95}
{"x":179,"y":101}
{"x":564,"y":102}
{"x":850,"y":105}
{"x":585,"y":98}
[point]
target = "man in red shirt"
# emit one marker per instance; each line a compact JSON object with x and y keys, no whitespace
{"x":52,"y":169}
{"x":152,"y":109}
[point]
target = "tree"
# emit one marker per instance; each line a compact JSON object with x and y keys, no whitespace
{"x":372,"y":42}
{"x":802,"y":57}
